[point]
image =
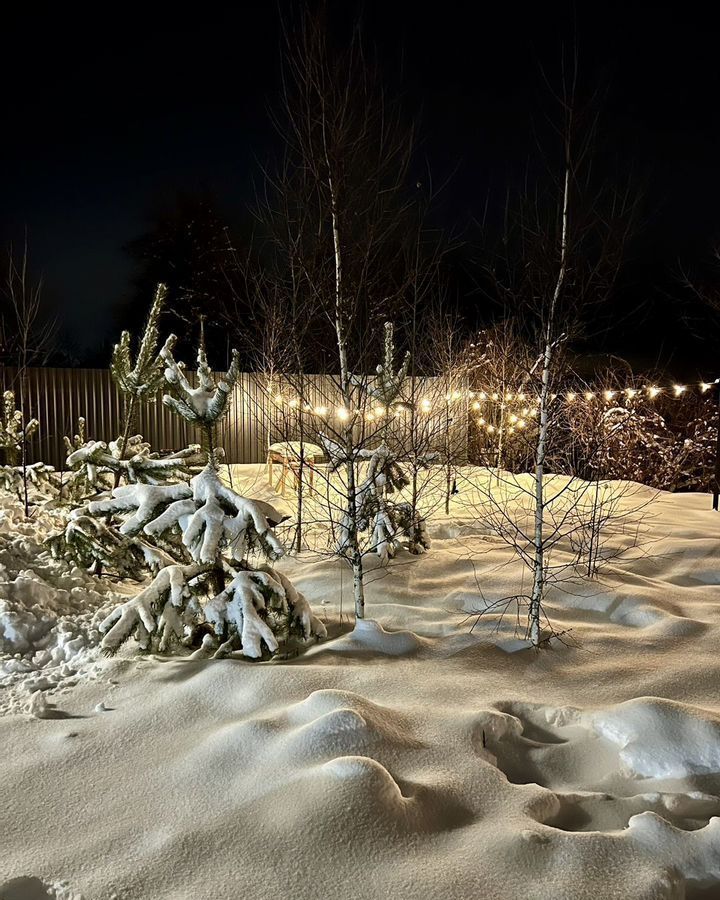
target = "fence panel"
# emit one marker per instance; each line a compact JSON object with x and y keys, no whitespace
{"x":256,"y":418}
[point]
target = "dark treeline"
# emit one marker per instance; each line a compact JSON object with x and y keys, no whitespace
{"x":475,"y":149}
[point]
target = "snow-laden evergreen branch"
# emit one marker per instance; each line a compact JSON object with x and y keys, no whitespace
{"x":143,"y":378}
{"x":206,"y":403}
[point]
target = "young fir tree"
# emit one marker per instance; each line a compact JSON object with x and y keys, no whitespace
{"x":212,"y":535}
{"x":139,"y":381}
{"x":375,"y":509}
{"x":13,"y":430}
{"x":16,"y":475}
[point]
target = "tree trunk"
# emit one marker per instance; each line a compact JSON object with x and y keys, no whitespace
{"x":353,"y":544}
{"x":539,"y":561}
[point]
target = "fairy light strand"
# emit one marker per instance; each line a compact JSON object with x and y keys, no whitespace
{"x":479,"y":399}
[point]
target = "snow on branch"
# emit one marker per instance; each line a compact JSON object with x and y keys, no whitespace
{"x":205,"y":404}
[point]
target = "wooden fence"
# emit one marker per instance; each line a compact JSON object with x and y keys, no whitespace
{"x":58,"y":397}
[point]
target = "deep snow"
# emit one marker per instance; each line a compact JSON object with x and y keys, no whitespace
{"x":409,"y":758}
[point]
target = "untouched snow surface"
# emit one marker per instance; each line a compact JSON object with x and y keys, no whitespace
{"x":406,"y":759}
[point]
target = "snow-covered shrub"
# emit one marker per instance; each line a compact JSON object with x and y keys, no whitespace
{"x":624,"y":434}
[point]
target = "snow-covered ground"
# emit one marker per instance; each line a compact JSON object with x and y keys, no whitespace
{"x":429,"y":762}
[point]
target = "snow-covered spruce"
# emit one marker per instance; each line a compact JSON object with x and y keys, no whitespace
{"x":205,"y":404}
{"x":16,"y":477}
{"x":217,"y":530}
{"x":211,"y":534}
{"x":375,"y":510}
{"x":387,"y":386}
{"x":13,"y":430}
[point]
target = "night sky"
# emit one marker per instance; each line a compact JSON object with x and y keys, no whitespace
{"x":109,"y":114}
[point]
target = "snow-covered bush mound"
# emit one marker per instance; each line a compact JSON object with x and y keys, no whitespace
{"x":48,"y":609}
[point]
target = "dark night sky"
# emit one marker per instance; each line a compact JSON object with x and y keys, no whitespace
{"x":106,"y":112}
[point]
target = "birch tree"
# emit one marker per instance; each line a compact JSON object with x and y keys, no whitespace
{"x":559,"y":261}
{"x":353,"y":150}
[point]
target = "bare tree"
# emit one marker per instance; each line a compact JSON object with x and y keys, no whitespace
{"x":559,"y":257}
{"x":343,"y":252}
{"x":27,"y":337}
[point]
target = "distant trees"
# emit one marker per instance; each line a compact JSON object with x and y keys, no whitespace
{"x":188,"y":248}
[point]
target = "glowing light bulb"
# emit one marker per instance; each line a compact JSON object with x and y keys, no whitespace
{"x":321,"y":410}
{"x":608,"y":395}
{"x":571,"y":396}
{"x":653,"y":392}
{"x":589,"y":395}
{"x":704,"y":386}
{"x":343,"y":414}
{"x":293,"y":402}
{"x":425,"y":405}
{"x":496,"y":396}
{"x":679,"y":389}
{"x":476,"y":405}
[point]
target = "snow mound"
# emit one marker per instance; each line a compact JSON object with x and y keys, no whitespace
{"x":369,"y":794}
{"x":370,"y":637}
{"x":694,"y":855}
{"x":661,"y":738}
{"x":48,"y":611}
{"x":332,"y":721}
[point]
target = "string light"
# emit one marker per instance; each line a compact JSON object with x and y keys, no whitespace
{"x":427,"y":406}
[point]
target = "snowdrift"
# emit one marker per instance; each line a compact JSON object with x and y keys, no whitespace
{"x":409,"y":757}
